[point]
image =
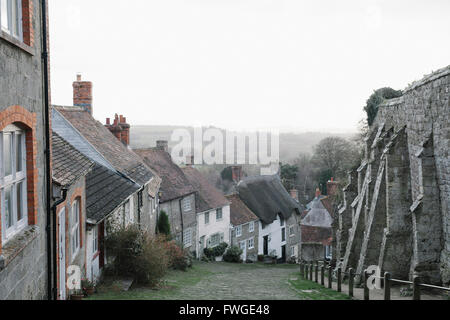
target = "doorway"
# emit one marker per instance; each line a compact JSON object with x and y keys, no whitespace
{"x":266,"y":245}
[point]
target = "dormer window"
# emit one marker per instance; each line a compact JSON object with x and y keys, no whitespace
{"x":11,"y":18}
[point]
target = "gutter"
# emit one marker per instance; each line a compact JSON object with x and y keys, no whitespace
{"x":47,"y":147}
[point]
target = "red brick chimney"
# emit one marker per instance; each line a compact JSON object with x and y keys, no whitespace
{"x":82,"y":94}
{"x":294,"y":194}
{"x":236,"y":173}
{"x":162,"y":145}
{"x":120,"y":128}
{"x":332,"y":188}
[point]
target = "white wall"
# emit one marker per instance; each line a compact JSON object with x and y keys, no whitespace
{"x":273,"y":230}
{"x":213,"y":227}
{"x":92,"y":262}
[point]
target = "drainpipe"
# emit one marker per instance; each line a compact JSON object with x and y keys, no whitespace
{"x":55,"y":241}
{"x":182,"y":224}
{"x":47,"y":145}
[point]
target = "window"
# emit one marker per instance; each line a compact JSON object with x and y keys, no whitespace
{"x":206,"y":217}
{"x":251,"y":227}
{"x":293,"y":251}
{"x":186,"y":204}
{"x":281,"y":221}
{"x":238,"y":231}
{"x":283,"y":234}
{"x":292,"y":231}
{"x":219,"y":214}
{"x":13,"y":182}
{"x":75,"y":228}
{"x":215,"y":240}
{"x":94,"y":240}
{"x":11,"y":17}
{"x":251,"y":243}
{"x":187,"y":237}
{"x":129,"y":216}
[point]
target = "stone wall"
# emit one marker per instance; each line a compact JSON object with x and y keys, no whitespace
{"x":400,"y":215}
{"x":23,"y":272}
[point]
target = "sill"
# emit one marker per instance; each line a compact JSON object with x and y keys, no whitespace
{"x":17,"y":244}
{"x":16,"y":42}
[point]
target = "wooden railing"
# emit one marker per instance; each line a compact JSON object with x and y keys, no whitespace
{"x":308,"y":269}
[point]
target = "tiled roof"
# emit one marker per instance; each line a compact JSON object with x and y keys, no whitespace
{"x":174,"y":183}
{"x":115,"y":152}
{"x":239,"y":212}
{"x":267,"y":198}
{"x":211,"y":198}
{"x":105,"y":190}
{"x":68,"y":164}
{"x":311,"y":234}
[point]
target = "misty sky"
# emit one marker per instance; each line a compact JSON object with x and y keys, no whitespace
{"x":244,"y":64}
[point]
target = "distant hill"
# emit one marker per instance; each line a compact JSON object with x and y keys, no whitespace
{"x":291,"y":144}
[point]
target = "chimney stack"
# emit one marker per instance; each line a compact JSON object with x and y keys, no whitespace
{"x":120,"y":128}
{"x":190,"y":161}
{"x":236,"y":173}
{"x":82,"y":94}
{"x":318,"y":193}
{"x":332,"y":188}
{"x":294,"y":194}
{"x":163,"y":145}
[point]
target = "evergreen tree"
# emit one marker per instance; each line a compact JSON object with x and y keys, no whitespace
{"x":163,"y":224}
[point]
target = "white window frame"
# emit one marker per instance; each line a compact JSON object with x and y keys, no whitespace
{"x":251,"y":243}
{"x":12,"y":182}
{"x":75,"y":241}
{"x":219,"y":240}
{"x":207,"y":218}
{"x":291,"y":231}
{"x":251,"y":227}
{"x":292,"y":251}
{"x":187,"y":237}
{"x":18,"y":18}
{"x":238,"y":231}
{"x":283,"y":233}
{"x":186,"y":204}
{"x":217,"y":214}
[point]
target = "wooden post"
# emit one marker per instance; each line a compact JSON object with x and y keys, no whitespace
{"x":330,"y":278}
{"x":339,"y":280}
{"x":416,"y":288}
{"x":311,"y":272}
{"x":322,"y":275}
{"x":301,"y":270}
{"x":350,"y":282}
{"x":366,"y":288}
{"x":316,"y":272}
{"x":387,"y":286}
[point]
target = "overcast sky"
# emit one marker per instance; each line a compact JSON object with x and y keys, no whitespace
{"x":244,"y":64}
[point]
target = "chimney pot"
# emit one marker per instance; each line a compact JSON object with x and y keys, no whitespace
{"x":78,"y":77}
{"x":318,"y":192}
{"x":163,"y":145}
{"x":108,"y":121}
{"x":82,"y":94}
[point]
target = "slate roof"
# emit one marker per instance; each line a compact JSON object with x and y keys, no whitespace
{"x":316,"y":235}
{"x":267,"y":197}
{"x":239,"y":212}
{"x":210,"y":198}
{"x":105,"y":191}
{"x":106,"y":144}
{"x":68,"y":164}
{"x":317,"y":215}
{"x":174,"y":183}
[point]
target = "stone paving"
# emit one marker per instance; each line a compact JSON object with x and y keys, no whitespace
{"x":246,"y":282}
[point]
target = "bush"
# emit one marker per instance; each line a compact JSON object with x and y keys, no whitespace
{"x":377,"y":98}
{"x":179,"y":258}
{"x":137,"y":255}
{"x":233,"y":254}
{"x":163,"y":226}
{"x":216,"y":251}
{"x":260,"y":257}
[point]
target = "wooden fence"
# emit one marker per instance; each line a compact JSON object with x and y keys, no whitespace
{"x":307,"y":270}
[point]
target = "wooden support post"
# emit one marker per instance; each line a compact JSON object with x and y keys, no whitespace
{"x":416,"y":288}
{"x":316,"y":272}
{"x":350,"y":282}
{"x":387,"y":286}
{"x":302,"y":275}
{"x":311,"y":267}
{"x":339,"y":280}
{"x":330,"y":277}
{"x":366,"y":288}
{"x":322,"y":275}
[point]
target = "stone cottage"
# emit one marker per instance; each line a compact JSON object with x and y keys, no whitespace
{"x":25,"y":241}
{"x":212,"y":210}
{"x":278,"y":212}
{"x":245,"y":228}
{"x":69,"y":170}
{"x":177,"y":195}
{"x":396,"y":209}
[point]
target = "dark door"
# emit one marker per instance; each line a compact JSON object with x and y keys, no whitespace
{"x":101,"y":238}
{"x":283,"y":254}
{"x":266,"y":245}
